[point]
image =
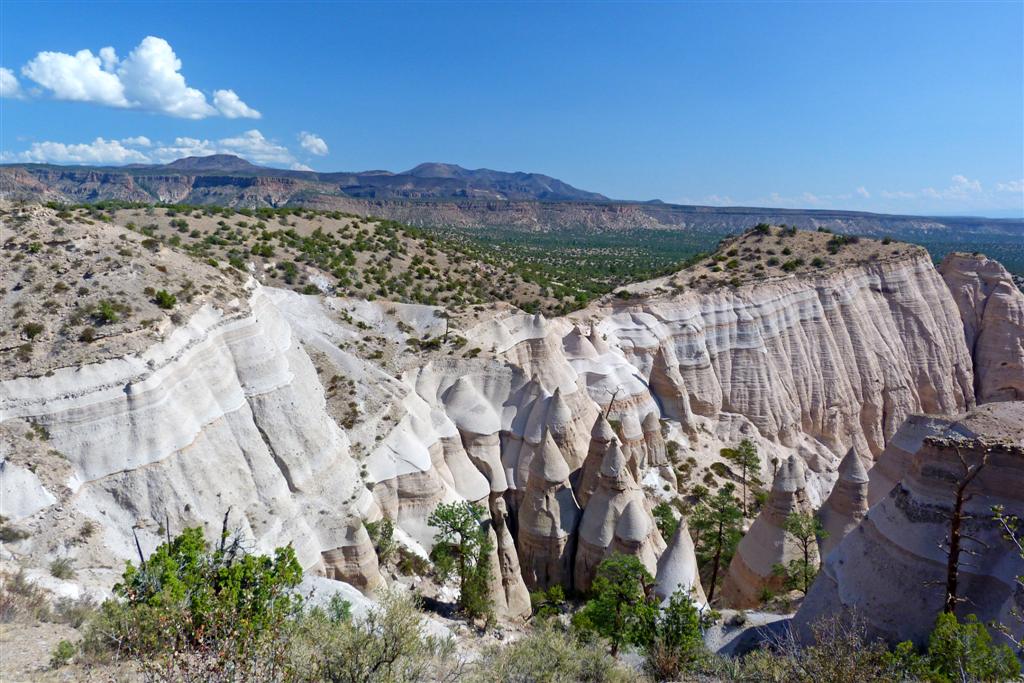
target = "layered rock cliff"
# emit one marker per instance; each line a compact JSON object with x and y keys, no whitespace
{"x":241,"y":407}
{"x":891,"y":570}
{"x":992,"y":309}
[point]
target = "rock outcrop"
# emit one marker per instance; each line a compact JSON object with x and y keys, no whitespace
{"x":847,"y":504}
{"x":992,"y":309}
{"x":895,"y":461}
{"x":615,"y":520}
{"x":601,"y":438}
{"x":548,"y":518}
{"x":843,"y":357}
{"x":516,"y":595}
{"x":891,"y":570}
{"x":226,"y":413}
{"x":767,"y":543}
{"x":231,"y":407}
{"x":677,"y":568}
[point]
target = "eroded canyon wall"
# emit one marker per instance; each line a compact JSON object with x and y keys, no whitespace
{"x":230,"y":410}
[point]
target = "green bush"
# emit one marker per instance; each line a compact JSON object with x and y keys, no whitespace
{"x":390,"y":643}
{"x":62,"y":654}
{"x":677,"y":643}
{"x":462,"y":548}
{"x":547,"y":603}
{"x":190,"y":611}
{"x":10,"y":534}
{"x":62,"y":568}
{"x":621,"y":609}
{"x":382,"y":535}
{"x":32,"y":330}
{"x":106,"y":312}
{"x":964,"y":651}
{"x":165,"y":299}
{"x":665,"y":519}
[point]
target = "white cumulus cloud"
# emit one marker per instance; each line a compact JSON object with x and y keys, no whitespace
{"x":231,"y":106}
{"x":251,"y":145}
{"x":149,"y":78}
{"x":79,"y":77}
{"x":137,"y":141}
{"x":9,"y":86}
{"x":99,"y":151}
{"x":312,"y":143}
{"x":1016,"y":186}
{"x":152,"y":79}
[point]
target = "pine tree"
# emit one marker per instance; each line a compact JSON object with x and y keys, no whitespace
{"x":807,"y":530}
{"x":462,"y":546}
{"x":717,"y":523}
{"x":746,"y":458}
{"x":622,"y":608}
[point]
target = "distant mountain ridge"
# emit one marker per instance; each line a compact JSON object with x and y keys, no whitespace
{"x":444,"y":195}
{"x":426,"y":181}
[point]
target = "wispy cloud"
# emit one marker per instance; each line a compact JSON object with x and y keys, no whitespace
{"x":149,"y":79}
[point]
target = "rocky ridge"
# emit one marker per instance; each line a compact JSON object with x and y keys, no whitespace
{"x":437,"y":195}
{"x":552,"y":421}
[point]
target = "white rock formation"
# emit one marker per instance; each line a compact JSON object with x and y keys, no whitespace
{"x":843,"y":357}
{"x":226,"y":413}
{"x":229,"y":410}
{"x":615,"y":519}
{"x":767,"y":544}
{"x":992,"y":309}
{"x":548,"y":518}
{"x":847,"y":504}
{"x":601,"y":437}
{"x":895,"y":461}
{"x":677,"y":568}
{"x":891,"y":569}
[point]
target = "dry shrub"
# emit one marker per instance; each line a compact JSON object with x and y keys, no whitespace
{"x":552,"y":655}
{"x":21,"y":600}
{"x":840,"y":653}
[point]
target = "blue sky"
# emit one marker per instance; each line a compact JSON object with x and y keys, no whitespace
{"x":906,"y":108}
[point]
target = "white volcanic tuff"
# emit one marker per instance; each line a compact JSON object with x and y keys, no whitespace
{"x":677,"y":568}
{"x":21,"y":492}
{"x":767,"y":544}
{"x":226,"y":413}
{"x":615,"y":519}
{"x":835,"y":360}
{"x":992,"y":309}
{"x":842,"y":358}
{"x":847,"y":504}
{"x":601,"y":437}
{"x":895,"y":461}
{"x":891,"y":569}
{"x":548,"y":518}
